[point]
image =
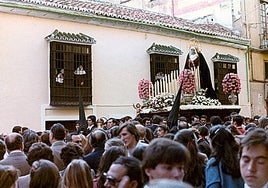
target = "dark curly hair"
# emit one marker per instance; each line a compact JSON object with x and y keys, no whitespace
{"x":39,"y":151}
{"x":29,"y":137}
{"x":71,"y":151}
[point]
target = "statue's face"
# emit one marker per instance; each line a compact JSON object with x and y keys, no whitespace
{"x":192,"y":51}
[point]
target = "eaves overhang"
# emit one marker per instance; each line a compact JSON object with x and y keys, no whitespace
{"x":79,"y":38}
{"x":109,"y":15}
{"x":164,"y":50}
{"x":227,"y":58}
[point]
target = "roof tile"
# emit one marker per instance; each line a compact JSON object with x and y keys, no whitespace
{"x":70,"y":37}
{"x":121,"y":12}
{"x":224,"y":58}
{"x":162,"y":49}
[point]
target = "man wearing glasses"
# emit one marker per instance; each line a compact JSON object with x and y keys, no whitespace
{"x":124,"y":172}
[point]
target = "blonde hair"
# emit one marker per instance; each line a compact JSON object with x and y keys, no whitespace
{"x":78,"y":174}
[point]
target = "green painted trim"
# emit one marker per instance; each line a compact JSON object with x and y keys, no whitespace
{"x":247,"y":73}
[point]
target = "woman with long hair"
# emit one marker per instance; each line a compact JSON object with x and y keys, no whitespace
{"x":78,"y":174}
{"x":222,"y":169}
{"x":195,"y":172}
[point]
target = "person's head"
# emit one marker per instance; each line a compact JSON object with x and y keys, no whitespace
{"x":187,"y":138}
{"x":182,"y":118}
{"x":138,"y":151}
{"x":203,"y":119}
{"x":113,"y":131}
{"x":122,"y":167}
{"x":98,"y":138}
{"x":203,"y":131}
{"x":115,"y":141}
{"x":215,"y":120}
{"x":78,"y":174}
{"x":263,"y":122}
{"x":256,"y":119}
{"x":57,"y":132}
{"x":250,"y":125}
{"x":71,"y":151}
{"x":195,"y":170}
{"x":8,"y":176}
{"x":254,"y":158}
{"x":29,"y":137}
{"x":237,"y":120}
{"x":196,"y":124}
{"x":23,"y":129}
{"x":146,"y":121}
{"x":17,"y":129}
{"x":39,"y":151}
{"x":44,"y":174}
{"x":111,"y":122}
{"x":101,"y":122}
{"x":75,"y":138}
{"x":165,"y":158}
{"x":45,"y":137}
{"x":182,"y":125}
{"x":14,"y":141}
{"x":225,"y":149}
{"x":149,"y":135}
{"x":142,"y":131}
{"x":162,"y":130}
{"x":128,"y":134}
{"x":2,"y":149}
{"x":194,"y":118}
{"x":91,"y":120}
{"x":156,"y":119}
{"x":125,"y":119}
{"x":220,"y":137}
{"x":106,"y":161}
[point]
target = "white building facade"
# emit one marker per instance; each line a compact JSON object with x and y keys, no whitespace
{"x":115,"y":41}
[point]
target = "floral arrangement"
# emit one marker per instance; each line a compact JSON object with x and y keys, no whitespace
{"x":203,"y":100}
{"x":159,"y":103}
{"x":187,"y":79}
{"x":143,"y":88}
{"x":231,"y":83}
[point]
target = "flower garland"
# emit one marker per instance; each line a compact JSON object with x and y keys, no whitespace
{"x":187,"y":79}
{"x":143,"y":88}
{"x":231,"y":84}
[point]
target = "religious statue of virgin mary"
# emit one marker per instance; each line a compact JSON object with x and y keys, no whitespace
{"x":197,"y":63}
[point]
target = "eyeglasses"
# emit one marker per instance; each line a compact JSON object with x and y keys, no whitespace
{"x":112,"y":180}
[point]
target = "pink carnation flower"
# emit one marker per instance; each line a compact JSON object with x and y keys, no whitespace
{"x":187,"y":79}
{"x":231,"y":83}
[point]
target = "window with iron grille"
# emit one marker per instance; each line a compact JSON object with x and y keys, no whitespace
{"x":266,"y":70}
{"x":223,"y":64}
{"x":161,"y":65}
{"x":263,"y":24}
{"x":70,"y":71}
{"x":220,"y":70}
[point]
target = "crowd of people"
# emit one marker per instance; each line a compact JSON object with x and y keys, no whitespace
{"x":201,"y":152}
